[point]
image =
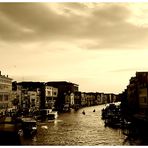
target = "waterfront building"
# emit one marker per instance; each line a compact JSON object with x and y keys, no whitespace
{"x":124,"y":102}
{"x":132,"y":96}
{"x":51,"y":94}
{"x":77,"y":100}
{"x":142,"y":78}
{"x":99,"y":99}
{"x":69,"y":100}
{"x":108,"y":98}
{"x":134,"y":104}
{"x":33,"y":97}
{"x":104,"y":97}
{"x":5,"y":93}
{"x":66,"y":92}
{"x":25,"y":101}
{"x":16,"y":95}
{"x":134,"y":99}
{"x":26,"y":98}
{"x":83,"y":99}
{"x":90,"y":97}
{"x":112,"y":98}
{"x":37,"y":95}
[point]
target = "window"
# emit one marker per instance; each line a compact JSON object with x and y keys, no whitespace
{"x":49,"y":93}
{"x":143,"y":100}
{"x":1,"y":98}
{"x":5,"y":97}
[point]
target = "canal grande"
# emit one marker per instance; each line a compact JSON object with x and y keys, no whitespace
{"x":76,"y":129}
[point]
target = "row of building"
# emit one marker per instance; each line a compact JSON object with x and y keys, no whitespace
{"x":134,"y":99}
{"x":58,"y":95}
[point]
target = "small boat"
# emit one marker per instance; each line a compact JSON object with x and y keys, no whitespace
{"x":83,"y":112}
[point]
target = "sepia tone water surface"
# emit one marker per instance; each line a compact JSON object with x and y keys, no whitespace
{"x":76,"y":129}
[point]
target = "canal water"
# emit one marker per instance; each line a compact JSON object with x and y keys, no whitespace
{"x":77,"y":129}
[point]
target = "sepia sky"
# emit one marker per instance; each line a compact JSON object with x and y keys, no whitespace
{"x":99,"y":46}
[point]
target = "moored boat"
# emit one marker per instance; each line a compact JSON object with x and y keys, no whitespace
{"x":52,"y":115}
{"x":112,"y":116}
{"x":29,"y":126}
{"x":10,"y":132}
{"x":47,"y":114}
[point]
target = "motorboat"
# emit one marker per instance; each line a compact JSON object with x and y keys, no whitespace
{"x":10,"y":132}
{"x":47,"y":114}
{"x":52,"y":115}
{"x":29,"y":125}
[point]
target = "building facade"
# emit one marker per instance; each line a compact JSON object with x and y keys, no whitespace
{"x":51,"y":94}
{"x":66,"y":91}
{"x":5,"y":93}
{"x":16,"y":95}
{"x":134,"y":99}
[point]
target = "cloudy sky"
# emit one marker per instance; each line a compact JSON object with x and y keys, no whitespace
{"x":99,"y":46}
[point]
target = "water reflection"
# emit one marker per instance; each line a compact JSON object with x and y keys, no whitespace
{"x":80,"y":130}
